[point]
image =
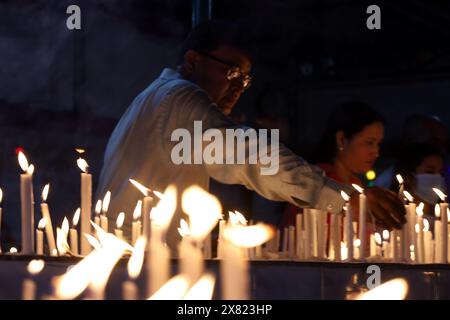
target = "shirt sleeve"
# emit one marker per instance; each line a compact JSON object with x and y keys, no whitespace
{"x":295,"y":181}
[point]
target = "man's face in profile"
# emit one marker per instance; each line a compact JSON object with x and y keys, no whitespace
{"x":223,"y":73}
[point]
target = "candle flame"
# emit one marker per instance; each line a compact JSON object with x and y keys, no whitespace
{"x":203,"y":289}
{"x":23,"y":162}
{"x":82,"y":164}
{"x":98,"y":207}
{"x":42,"y":223}
{"x":65,"y":226}
{"x":158,"y":194}
{"x":144,"y":190}
{"x":76,"y":217}
{"x":93,"y":241}
{"x":395,"y":289}
{"x":440,"y":194}
{"x":35,"y":266}
{"x":30,"y":169}
{"x":357,"y":243}
{"x":408,"y":196}
{"x":106,"y":238}
{"x":1,"y":195}
{"x":13,"y":250}
{"x":378,"y":238}
{"x":344,"y":251}
{"x":240,"y":218}
{"x":437,"y":211}
{"x":183,"y":230}
{"x":358,"y":188}
{"x":120,"y":219}
{"x":249,"y":237}
{"x":399,"y":179}
{"x":174,"y":289}
{"x":105,"y":202}
{"x":345,"y":196}
{"x":385,"y":234}
{"x":137,"y":210}
{"x":79,"y":150}
{"x":417,"y":228}
{"x":162,"y":214}
{"x":426,"y":225}
{"x":137,"y":258}
{"x":419,"y":209}
{"x":203,"y":210}
{"x":448,"y":214}
{"x":45,"y":192}
{"x":61,"y":241}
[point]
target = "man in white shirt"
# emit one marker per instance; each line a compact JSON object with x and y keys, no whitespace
{"x":213,"y":73}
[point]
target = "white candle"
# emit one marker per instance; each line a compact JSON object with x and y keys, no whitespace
{"x":86,"y":205}
{"x":27,"y":205}
{"x":29,"y":286}
{"x":412,"y":217}
{"x":348,"y":226}
{"x":48,"y":221}
{"x":444,"y":232}
{"x":363,"y":225}
{"x":147,"y":206}
{"x":234,"y":272}
{"x":136,"y":224}
{"x":379,"y":242}
{"x":357,"y":246}
{"x":291,"y":243}
{"x":73,"y":233}
{"x":119,"y":223}
{"x":419,"y":231}
{"x":298,"y":236}
{"x":308,"y":234}
{"x":129,"y":287}
{"x":98,"y":211}
{"x":207,"y":247}
{"x":191,"y":260}
{"x":373,"y":245}
{"x":40,"y":237}
{"x":386,"y":246}
{"x":284,"y":247}
{"x":428,"y":242}
{"x":336,"y":236}
{"x":105,"y":206}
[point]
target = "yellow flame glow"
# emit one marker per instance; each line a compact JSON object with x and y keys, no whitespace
{"x":105,"y":202}
{"x":399,"y":179}
{"x":358,"y":188}
{"x":174,"y":289}
{"x":158,"y":194}
{"x":144,"y":190}
{"x":385,"y":234}
{"x":345,"y":196}
{"x":93,"y":241}
{"x":1,"y":195}
{"x":417,"y":228}
{"x":204,"y":211}
{"x":61,"y":241}
{"x":137,"y":258}
{"x":35,"y":266}
{"x":183,"y":230}
{"x":98,"y":207}
{"x":137,"y":210}
{"x":203,"y":289}
{"x":79,"y":150}
{"x":440,"y":194}
{"x":82,"y":164}
{"x":408,"y":196}
{"x":65,"y":226}
{"x":378,"y":239}
{"x":240,"y":218}
{"x":76,"y":217}
{"x":45,"y":191}
{"x":437,"y":211}
{"x":426,"y":225}
{"x":30,"y":169}
{"x":249,"y":237}
{"x":395,"y":289}
{"x":23,"y":162}
{"x":42,"y":223}
{"x":13,"y":250}
{"x":419,"y":209}
{"x":120,"y":219}
{"x":162,"y":214}
{"x":357,"y":243}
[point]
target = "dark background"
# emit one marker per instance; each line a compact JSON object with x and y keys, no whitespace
{"x":61,"y":89}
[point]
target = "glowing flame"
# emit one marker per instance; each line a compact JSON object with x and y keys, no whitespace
{"x":13,"y":250}
{"x":345,"y":196}
{"x":93,"y":241}
{"x":174,"y":289}
{"x":357,"y":243}
{"x":249,"y":237}
{"x":137,"y":258}
{"x":42,"y":223}
{"x":45,"y":192}
{"x":399,"y":179}
{"x":395,"y":289}
{"x":183,"y":230}
{"x":82,"y":164}
{"x":419,"y":209}
{"x":448,"y":214}
{"x":76,"y":217}
{"x":1,"y":195}
{"x":30,"y":169}
{"x":203,"y":209}
{"x":79,"y":150}
{"x":35,"y":266}
{"x":106,"y":238}
{"x":65,"y":226}
{"x":240,"y":218}
{"x":105,"y":202}
{"x":162,"y":214}
{"x":203,"y":289}
{"x":144,"y":190}
{"x":437,"y":211}
{"x":417,"y":228}
{"x":378,"y":238}
{"x":358,"y":188}
{"x":344,"y":251}
{"x":120,"y":219}
{"x":408,"y":196}
{"x":426,"y":225}
{"x":98,"y":207}
{"x":440,"y":194}
{"x":158,"y":194}
{"x":61,"y":241}
{"x":137,"y":210}
{"x":385,"y":234}
{"x":23,"y":162}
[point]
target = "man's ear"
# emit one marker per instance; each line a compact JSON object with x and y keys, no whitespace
{"x":190,"y":60}
{"x":340,"y":140}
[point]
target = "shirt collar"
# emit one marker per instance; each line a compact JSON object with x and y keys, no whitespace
{"x":170,"y":74}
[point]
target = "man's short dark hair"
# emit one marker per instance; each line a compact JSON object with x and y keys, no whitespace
{"x":209,"y":35}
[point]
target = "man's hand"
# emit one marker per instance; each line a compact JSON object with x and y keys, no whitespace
{"x":386,"y":208}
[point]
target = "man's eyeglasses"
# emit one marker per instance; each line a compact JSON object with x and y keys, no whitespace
{"x":234,"y":72}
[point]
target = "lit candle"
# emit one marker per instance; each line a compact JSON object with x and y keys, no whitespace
{"x":437,"y":234}
{"x":129,"y":288}
{"x":48,"y":221}
{"x":27,"y":204}
{"x":147,"y":204}
{"x":411,"y":222}
{"x":428,"y":242}
{"x":412,"y":253}
{"x":373,"y":246}
{"x":298,"y":236}
{"x":357,"y":247}
{"x":119,"y":223}
{"x":386,"y":246}
{"x":219,"y":238}
{"x":105,"y":206}
{"x":86,"y":204}
{"x":136,"y":225}
{"x":379,"y":243}
{"x":61,"y":237}
{"x":98,"y":211}
{"x":74,"y":232}
{"x":348,"y":226}
{"x":1,"y":198}
{"x":308,"y":234}
{"x":191,"y":260}
{"x":362,"y":223}
{"x":336,"y":224}
{"x":419,"y":231}
{"x":40,"y":237}
{"x":401,"y":239}
{"x":344,"y":251}
{"x":158,"y":254}
{"x":444,"y":229}
{"x":29,"y":286}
